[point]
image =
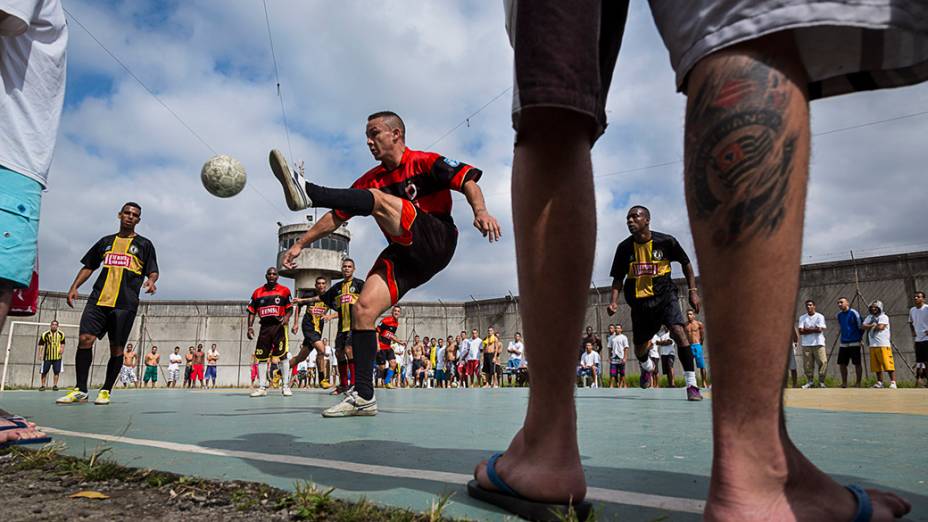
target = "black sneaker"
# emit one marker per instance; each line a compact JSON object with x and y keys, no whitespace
{"x":41,"y":388}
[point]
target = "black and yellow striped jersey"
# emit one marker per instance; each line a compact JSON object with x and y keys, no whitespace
{"x":646,"y":266}
{"x":340,"y":298}
{"x":52,"y":342}
{"x":125,"y":261}
{"x":315,"y":316}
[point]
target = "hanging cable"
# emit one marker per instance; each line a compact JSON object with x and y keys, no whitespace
{"x":280,"y":95}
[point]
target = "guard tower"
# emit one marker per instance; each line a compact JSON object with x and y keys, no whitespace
{"x":322,"y":258}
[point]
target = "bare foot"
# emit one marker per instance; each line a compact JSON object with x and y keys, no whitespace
{"x":542,"y":473}
{"x":803,"y":493}
{"x":20,"y":434}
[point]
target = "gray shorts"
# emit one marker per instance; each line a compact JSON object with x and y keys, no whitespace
{"x":565,"y":52}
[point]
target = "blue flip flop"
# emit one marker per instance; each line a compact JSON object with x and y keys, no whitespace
{"x":515,"y":503}
{"x":864,"y":505}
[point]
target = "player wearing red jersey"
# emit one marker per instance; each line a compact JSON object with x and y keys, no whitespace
{"x":409,"y":196}
{"x":271,"y":303}
{"x":386,"y":336}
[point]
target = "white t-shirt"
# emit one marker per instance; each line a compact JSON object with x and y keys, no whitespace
{"x":311,"y":358}
{"x":668,"y":349}
{"x":302,"y":366}
{"x":473,"y":350}
{"x":815,"y":320}
{"x":919,"y":319}
{"x":33,"y":67}
{"x":400,"y":352}
{"x":652,"y":352}
{"x":878,"y":337}
{"x":175,"y":359}
{"x":518,"y":348}
{"x":589,"y":359}
{"x":617,"y":344}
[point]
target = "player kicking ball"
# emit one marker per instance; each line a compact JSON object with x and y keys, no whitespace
{"x":409,"y":196}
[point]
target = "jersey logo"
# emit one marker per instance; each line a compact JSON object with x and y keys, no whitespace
{"x":644,"y":269}
{"x":277,"y":300}
{"x":268,"y":311}
{"x":347,"y":298}
{"x":133,"y":250}
{"x":113,"y":260}
{"x":411,"y":191}
{"x":657,"y":255}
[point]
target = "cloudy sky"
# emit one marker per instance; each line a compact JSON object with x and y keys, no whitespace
{"x":210,"y":64}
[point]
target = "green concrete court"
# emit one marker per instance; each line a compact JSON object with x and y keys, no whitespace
{"x":646,"y":452}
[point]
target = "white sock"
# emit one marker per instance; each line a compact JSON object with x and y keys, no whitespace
{"x":284,"y":366}
{"x":262,"y":374}
{"x":647,"y":365}
{"x":690,"y":378}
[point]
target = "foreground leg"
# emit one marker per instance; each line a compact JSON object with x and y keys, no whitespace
{"x":552,"y":187}
{"x":747,"y":151}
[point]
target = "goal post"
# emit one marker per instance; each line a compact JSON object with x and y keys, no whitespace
{"x":9,"y":343}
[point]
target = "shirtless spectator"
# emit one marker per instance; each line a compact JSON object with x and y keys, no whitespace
{"x":419,"y":365}
{"x":129,"y":360}
{"x":212,"y":365}
{"x":696,"y":333}
{"x":174,"y":361}
{"x":188,"y":368}
{"x":152,"y":360}
{"x":199,"y":358}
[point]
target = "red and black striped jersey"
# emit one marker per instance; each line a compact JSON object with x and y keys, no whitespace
{"x":270,"y":304}
{"x":424,"y":178}
{"x":386,"y":332}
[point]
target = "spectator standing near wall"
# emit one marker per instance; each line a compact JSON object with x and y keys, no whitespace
{"x":152,"y":360}
{"x":617,"y":343}
{"x":515,"y":350}
{"x":851,"y":335}
{"x":51,"y":344}
{"x":879,"y":339}
{"x":129,"y":361}
{"x":199,"y":358}
{"x":212,"y":365}
{"x":592,"y":338}
{"x":696,"y":333}
{"x":668,"y":353}
{"x":812,"y":331}
{"x":188,"y":369}
{"x":174,"y":361}
{"x":474,"y":345}
{"x":918,"y":325}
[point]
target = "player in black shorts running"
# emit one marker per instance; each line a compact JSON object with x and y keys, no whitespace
{"x":312,"y":323}
{"x":643,"y":261}
{"x":386,"y":336}
{"x":409,"y":195}
{"x":340,"y":298}
{"x":127,"y":258}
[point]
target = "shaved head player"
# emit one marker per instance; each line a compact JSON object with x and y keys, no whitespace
{"x":409,"y":195}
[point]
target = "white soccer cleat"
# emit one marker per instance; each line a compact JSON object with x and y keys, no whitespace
{"x":352,"y":406}
{"x":285,"y":391}
{"x":807,"y":385}
{"x":878,"y":384}
{"x":260,"y":392}
{"x":294,"y":183}
{"x":822,"y":385}
{"x":75,"y":396}
{"x":892,"y":385}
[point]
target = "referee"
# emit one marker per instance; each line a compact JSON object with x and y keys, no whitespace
{"x":52,"y":345}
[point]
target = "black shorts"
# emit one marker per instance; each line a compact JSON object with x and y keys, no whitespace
{"x":273,"y":341}
{"x":310,"y":337}
{"x":921,"y":351}
{"x":425,"y":248}
{"x":342,"y":340}
{"x":102,"y":321}
{"x":51,"y":365}
{"x":417,"y":364}
{"x":647,"y":318}
{"x":383,"y":356}
{"x":489,"y":367}
{"x":667,"y":363}
{"x":849,"y":353}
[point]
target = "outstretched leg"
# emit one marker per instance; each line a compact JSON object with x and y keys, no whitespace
{"x":747,"y":156}
{"x":552,"y":187}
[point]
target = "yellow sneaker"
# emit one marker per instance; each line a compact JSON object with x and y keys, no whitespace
{"x":102,"y":398}
{"x":390,"y":386}
{"x":74,"y":396}
{"x":324,"y":383}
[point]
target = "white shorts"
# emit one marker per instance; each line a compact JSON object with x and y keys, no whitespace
{"x":127,"y":375}
{"x":173,"y":373}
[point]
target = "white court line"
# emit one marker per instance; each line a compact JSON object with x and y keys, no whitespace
{"x":614,"y":496}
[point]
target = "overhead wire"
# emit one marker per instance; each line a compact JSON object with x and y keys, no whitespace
{"x":163,"y":103}
{"x":280,"y":95}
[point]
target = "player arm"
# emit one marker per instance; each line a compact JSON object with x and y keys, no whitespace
{"x":483,"y":221}
{"x":691,"y":288}
{"x":327,"y":224}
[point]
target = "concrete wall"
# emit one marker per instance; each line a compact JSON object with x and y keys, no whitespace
{"x":892,"y":279}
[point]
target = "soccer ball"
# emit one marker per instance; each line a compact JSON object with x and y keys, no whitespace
{"x":223,"y":176}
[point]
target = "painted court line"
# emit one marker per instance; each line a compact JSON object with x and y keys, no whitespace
{"x":614,"y":496}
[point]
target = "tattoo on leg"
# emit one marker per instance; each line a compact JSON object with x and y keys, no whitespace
{"x":741,"y":150}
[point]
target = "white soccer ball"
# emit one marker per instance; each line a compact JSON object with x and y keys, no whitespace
{"x":223,"y":176}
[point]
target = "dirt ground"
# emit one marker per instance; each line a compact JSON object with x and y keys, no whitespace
{"x":38,"y":484}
